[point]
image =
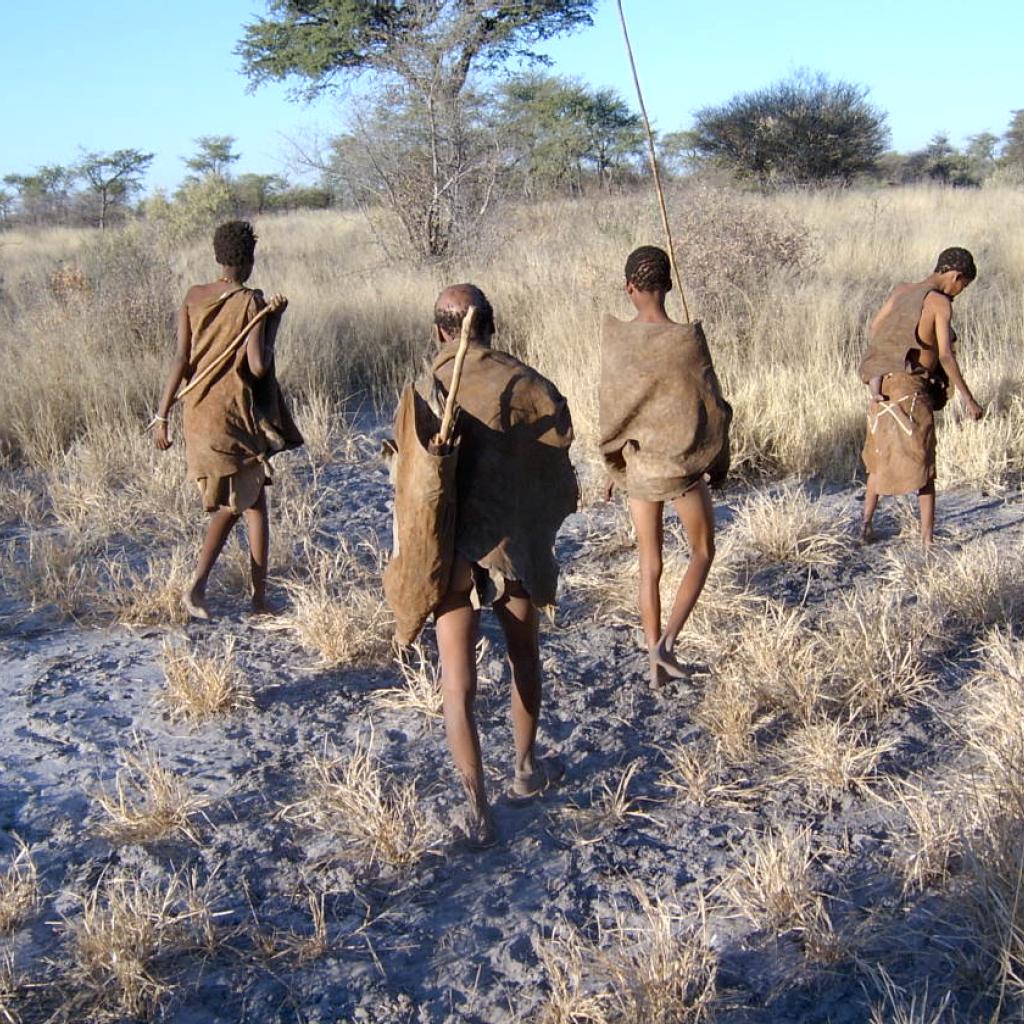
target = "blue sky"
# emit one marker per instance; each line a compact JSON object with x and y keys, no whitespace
{"x":153,"y":76}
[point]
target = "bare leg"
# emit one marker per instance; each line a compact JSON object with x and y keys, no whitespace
{"x":518,"y":617}
{"x":257,"y":526}
{"x":222,"y":522}
{"x":698,"y":518}
{"x":867,"y":533}
{"x":457,"y":625}
{"x":647,"y":521}
{"x":926,"y":505}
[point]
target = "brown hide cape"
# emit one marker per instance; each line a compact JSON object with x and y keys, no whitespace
{"x":663,"y":420}
{"x":417,"y":576}
{"x":893,"y":345}
{"x":513,"y":483}
{"x":899,"y":456}
{"x":231,"y":422}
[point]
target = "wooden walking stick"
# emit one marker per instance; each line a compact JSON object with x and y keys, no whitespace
{"x":444,"y":435}
{"x":653,"y":159}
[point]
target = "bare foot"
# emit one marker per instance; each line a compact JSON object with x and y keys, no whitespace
{"x":194,"y":603}
{"x":475,"y":831}
{"x":261,"y":606}
{"x":547,"y":772}
{"x":664,"y":666}
{"x":867,"y":534}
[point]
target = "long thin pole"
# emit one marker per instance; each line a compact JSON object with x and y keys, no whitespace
{"x":653,"y":158}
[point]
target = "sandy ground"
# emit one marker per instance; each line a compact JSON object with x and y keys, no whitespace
{"x":455,"y":938}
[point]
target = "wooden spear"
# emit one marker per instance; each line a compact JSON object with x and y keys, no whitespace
{"x":653,"y":158}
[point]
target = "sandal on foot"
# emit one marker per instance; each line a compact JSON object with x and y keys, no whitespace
{"x":546,"y":773}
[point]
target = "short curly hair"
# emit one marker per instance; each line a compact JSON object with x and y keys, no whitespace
{"x":648,"y":269}
{"x":448,"y":316}
{"x":234,"y":243}
{"x":958,"y":259}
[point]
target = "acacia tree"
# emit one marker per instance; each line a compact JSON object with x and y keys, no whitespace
{"x":421,"y":54}
{"x":114,"y":177}
{"x":1013,"y":140}
{"x":554,"y":129}
{"x":805,"y":129}
{"x":213,"y":156}
{"x":43,"y":196}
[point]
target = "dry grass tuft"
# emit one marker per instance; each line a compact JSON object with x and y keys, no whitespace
{"x":656,"y":966}
{"x":876,"y":651}
{"x":976,"y":587}
{"x":994,"y":722}
{"x":151,"y":597}
{"x":786,"y":527}
{"x":376,"y":821}
{"x":931,"y":838}
{"x":120,"y":944}
{"x":611,"y":808}
{"x":149,"y":802}
{"x":50,"y":570}
{"x":338,"y":612}
{"x":420,"y":690}
{"x":728,"y":713}
{"x":12,"y":989}
{"x":830,"y":759}
{"x":896,"y":1007}
{"x":696,"y":774}
{"x":19,"y":889}
{"x":770,"y":663}
{"x":773,"y":888}
{"x":199,"y":686}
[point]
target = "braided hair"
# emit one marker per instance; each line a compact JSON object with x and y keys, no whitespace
{"x":957,"y":259}
{"x":234,"y":244}
{"x":648,"y":269}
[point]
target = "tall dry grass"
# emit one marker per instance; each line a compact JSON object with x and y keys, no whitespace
{"x":784,"y":283}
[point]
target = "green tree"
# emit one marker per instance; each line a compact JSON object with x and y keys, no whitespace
{"x":420,"y":54}
{"x":805,"y":129}
{"x":213,"y":157}
{"x":981,"y":154}
{"x":257,"y":193}
{"x":1013,"y":141}
{"x":614,"y":133}
{"x":114,"y":177}
{"x":556,"y":129}
{"x":43,"y":197}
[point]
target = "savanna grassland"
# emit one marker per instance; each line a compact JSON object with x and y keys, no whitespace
{"x":825,"y":822}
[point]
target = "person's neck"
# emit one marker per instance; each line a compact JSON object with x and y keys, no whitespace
{"x":652,"y":313}
{"x":228,"y":275}
{"x":934,"y":280}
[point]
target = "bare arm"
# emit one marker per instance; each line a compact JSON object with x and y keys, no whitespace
{"x":259,"y":348}
{"x":947,"y":357}
{"x":179,"y":364}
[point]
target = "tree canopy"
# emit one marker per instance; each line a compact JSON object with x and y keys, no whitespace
{"x":438,"y":41}
{"x":805,"y":129}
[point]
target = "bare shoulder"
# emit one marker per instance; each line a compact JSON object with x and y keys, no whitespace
{"x":937,"y":302}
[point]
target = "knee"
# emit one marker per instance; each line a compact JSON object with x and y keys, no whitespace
{"x":703,"y":549}
{"x":651,"y":566}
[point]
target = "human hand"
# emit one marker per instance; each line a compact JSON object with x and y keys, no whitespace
{"x":974,"y":410}
{"x":277,"y":304}
{"x":161,"y":438}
